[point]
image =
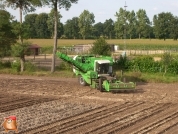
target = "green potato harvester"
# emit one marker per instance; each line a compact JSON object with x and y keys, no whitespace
{"x":96,"y":71}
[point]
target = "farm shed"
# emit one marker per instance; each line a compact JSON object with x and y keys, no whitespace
{"x":80,"y":48}
{"x":34,"y":49}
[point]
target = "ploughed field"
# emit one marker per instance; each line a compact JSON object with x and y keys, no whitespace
{"x":49,"y":105}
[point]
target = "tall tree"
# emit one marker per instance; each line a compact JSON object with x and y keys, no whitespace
{"x":50,"y":21}
{"x":30,"y":21}
{"x":174,"y":28}
{"x":7,"y":37}
{"x":41,"y":26}
{"x":132,"y":24}
{"x":55,"y":4}
{"x":121,"y":23}
{"x":71,"y":28}
{"x":98,"y":30}
{"x":162,"y":24}
{"x":67,"y":29}
{"x":86,"y":19}
{"x":108,"y":28}
{"x":24,"y":6}
{"x":142,"y":23}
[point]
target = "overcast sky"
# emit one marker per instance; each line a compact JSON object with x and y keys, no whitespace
{"x":106,"y":9}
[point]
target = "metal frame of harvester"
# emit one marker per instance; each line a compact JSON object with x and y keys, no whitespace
{"x":96,"y":71}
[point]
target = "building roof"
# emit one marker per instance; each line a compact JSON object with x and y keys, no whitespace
{"x":33,"y":46}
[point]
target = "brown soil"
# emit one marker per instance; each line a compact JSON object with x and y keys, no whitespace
{"x":51,"y":105}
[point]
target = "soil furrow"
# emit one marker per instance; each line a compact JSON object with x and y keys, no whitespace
{"x":126,"y":120}
{"x":75,"y":119}
{"x":20,"y":104}
{"x":67,"y":127}
{"x":148,"y":121}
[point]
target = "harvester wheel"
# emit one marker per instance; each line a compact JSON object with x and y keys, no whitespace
{"x":82,"y":81}
{"x":100,"y":85}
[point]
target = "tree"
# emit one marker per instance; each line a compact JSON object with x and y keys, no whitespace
{"x":132,"y":24}
{"x":30,"y":21}
{"x":19,"y":49}
{"x":162,"y":24}
{"x":121,"y":23}
{"x":50,"y":22}
{"x":142,"y":23}
{"x":86,"y":19}
{"x":71,"y":28}
{"x":60,"y":31}
{"x":101,"y":47}
{"x":41,"y":26}
{"x":108,"y":28}
{"x":55,"y":4}
{"x":174,"y":28}
{"x":7,"y":36}
{"x":98,"y":30}
{"x":24,"y":6}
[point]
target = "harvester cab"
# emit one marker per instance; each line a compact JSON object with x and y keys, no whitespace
{"x":96,"y":71}
{"x":103,"y":67}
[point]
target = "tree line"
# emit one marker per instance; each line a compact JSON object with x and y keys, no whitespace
{"x":128,"y":24}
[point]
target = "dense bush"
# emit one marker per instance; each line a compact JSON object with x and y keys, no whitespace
{"x":15,"y":65}
{"x":6,"y":64}
{"x":121,"y":63}
{"x":65,"y":66}
{"x":101,"y":47}
{"x":29,"y":67}
{"x":168,"y":64}
{"x":144,"y":64}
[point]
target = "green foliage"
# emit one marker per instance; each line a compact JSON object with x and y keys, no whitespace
{"x":41,"y":26}
{"x":26,"y":5}
{"x":6,"y":64}
{"x":50,"y":22}
{"x":142,"y":23}
{"x":64,"y":66}
{"x":7,"y":37}
{"x":144,"y":64}
{"x":15,"y":65}
{"x":98,"y":29}
{"x":71,"y":28}
{"x":168,"y":64}
{"x":29,"y":67}
{"x":86,"y":19}
{"x":108,"y":28}
{"x":166,"y":60}
{"x":18,"y":50}
{"x":30,"y":21}
{"x":121,"y":23}
{"x":47,"y":50}
{"x":121,"y":63}
{"x":163,"y":25}
{"x":101,"y":47}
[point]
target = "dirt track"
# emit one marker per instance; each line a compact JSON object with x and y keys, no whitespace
{"x":57,"y":105}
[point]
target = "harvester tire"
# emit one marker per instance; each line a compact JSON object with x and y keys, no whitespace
{"x":82,"y":81}
{"x":100,"y":85}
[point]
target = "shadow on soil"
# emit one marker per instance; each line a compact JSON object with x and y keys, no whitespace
{"x":135,"y":91}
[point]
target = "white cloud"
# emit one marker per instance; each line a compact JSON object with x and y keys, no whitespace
{"x":101,"y":13}
{"x":155,"y":8}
